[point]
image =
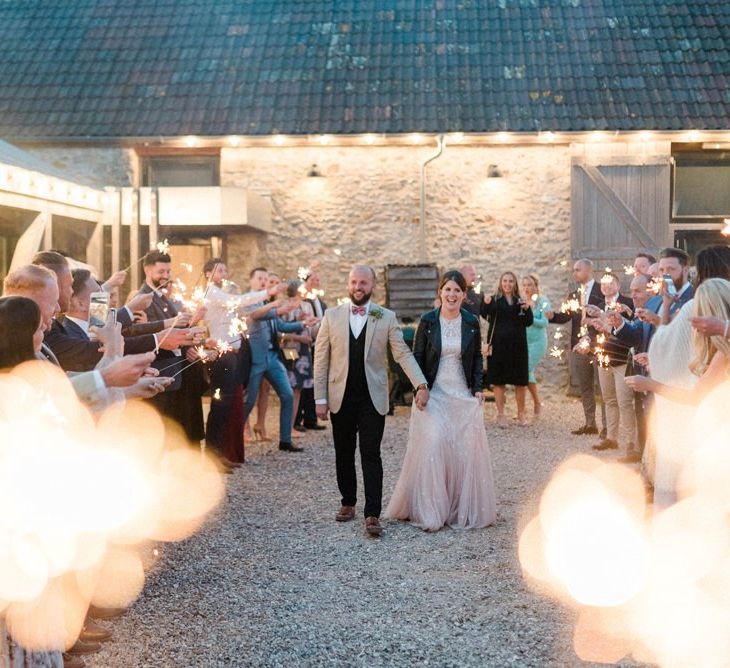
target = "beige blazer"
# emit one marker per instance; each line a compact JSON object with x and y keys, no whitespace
{"x":331,"y":359}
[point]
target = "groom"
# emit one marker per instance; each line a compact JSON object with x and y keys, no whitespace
{"x":351,"y":380}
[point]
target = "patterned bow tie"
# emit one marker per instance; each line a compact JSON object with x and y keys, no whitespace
{"x":358,"y":310}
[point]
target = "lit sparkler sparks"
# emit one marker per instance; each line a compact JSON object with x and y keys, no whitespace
{"x":343,"y":300}
{"x":726,"y":229}
{"x":559,"y":334}
{"x":478,"y":288}
{"x":217,"y":394}
{"x":187,"y":266}
{"x":654,"y":285}
{"x":556,"y":352}
{"x":337,"y":252}
{"x":628,"y":270}
{"x":163,"y":246}
{"x":570,"y":306}
{"x":303,"y":273}
{"x":563,"y":263}
{"x":237,"y":327}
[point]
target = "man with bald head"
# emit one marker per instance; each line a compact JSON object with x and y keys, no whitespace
{"x":472,"y":301}
{"x":582,"y":367}
{"x":351,"y":384}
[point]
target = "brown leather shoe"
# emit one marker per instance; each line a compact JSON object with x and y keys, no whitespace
{"x":345,"y":514}
{"x":80,"y":648}
{"x":105,"y":613}
{"x":73,"y":661}
{"x":373,"y":527}
{"x":93,"y":632}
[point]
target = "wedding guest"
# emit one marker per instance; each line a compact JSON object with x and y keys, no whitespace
{"x":262,"y":402}
{"x":636,"y":335}
{"x":224,"y":426}
{"x":711,"y":354}
{"x":307,"y":413}
{"x":676,"y":288}
{"x":296,"y":348}
{"x":182,"y":401}
{"x":581,"y":343}
{"x":446,"y":478}
{"x":264,"y":330}
{"x":611,"y":359}
{"x":670,"y":355}
{"x":642,"y":264}
{"x":73,"y":348}
{"x":472,"y":300}
{"x":92,"y":387}
{"x":537,"y":340}
{"x":509,"y":317}
{"x":21,"y":331}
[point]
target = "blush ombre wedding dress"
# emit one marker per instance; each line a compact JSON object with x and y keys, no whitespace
{"x":446,"y":477}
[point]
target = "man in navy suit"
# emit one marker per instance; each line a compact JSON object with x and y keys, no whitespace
{"x":264,"y":328}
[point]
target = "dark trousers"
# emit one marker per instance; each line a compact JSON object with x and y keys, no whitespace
{"x":359,"y":417}
{"x":307,"y":411}
{"x":224,"y":381}
{"x":585,"y":374}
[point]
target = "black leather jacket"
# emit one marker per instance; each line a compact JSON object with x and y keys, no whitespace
{"x":427,"y":347}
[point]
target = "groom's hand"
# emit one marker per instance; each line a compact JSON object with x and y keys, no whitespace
{"x":422,"y":398}
{"x":322,"y":411}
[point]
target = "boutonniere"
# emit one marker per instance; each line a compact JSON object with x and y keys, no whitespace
{"x":376,"y":312}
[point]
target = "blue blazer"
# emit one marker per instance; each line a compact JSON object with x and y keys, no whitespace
{"x":259,"y":333}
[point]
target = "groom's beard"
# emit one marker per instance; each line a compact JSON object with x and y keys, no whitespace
{"x":362,"y":300}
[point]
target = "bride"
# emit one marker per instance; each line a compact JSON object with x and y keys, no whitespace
{"x":447,"y":472}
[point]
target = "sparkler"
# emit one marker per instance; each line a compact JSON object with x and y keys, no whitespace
{"x":343,"y":300}
{"x":217,"y":394}
{"x":161,"y":246}
{"x":337,"y":252}
{"x":570,"y":306}
{"x":556,"y":352}
{"x":628,"y":270}
{"x":558,"y":334}
{"x":478,"y":288}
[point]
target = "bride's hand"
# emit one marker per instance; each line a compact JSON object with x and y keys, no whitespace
{"x":479,"y":397}
{"x":421,"y":399}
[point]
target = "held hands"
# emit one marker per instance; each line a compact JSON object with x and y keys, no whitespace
{"x":170,"y":339}
{"x":421,"y":399}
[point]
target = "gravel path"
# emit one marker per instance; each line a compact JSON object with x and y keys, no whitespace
{"x":272,"y":580}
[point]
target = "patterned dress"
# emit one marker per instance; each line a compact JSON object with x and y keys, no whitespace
{"x":447,"y":471}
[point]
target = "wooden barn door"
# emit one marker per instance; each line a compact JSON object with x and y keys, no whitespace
{"x":620,"y":205}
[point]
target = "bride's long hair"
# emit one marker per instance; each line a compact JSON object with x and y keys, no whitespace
{"x":712,"y":298}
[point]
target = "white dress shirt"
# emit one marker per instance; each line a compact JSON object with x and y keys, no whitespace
{"x":223,"y":307}
{"x":83,"y":324}
{"x":587,"y":289}
{"x":358,"y":322}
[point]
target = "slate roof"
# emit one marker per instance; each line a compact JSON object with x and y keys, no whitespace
{"x":132,"y":68}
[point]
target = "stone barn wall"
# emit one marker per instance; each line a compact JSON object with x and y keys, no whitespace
{"x":366,"y":207}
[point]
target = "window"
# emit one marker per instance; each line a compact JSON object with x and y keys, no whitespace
{"x":701,"y":185}
{"x":181,"y":170}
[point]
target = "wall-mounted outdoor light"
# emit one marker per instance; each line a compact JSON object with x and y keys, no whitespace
{"x":493,"y":172}
{"x":314,"y":172}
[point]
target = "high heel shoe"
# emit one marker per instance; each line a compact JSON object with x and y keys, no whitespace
{"x":260,"y":434}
